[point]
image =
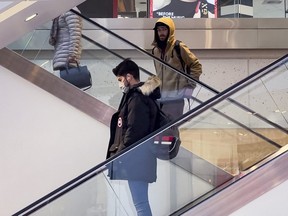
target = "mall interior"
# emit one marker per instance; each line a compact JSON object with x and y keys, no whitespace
{"x":233,"y":157}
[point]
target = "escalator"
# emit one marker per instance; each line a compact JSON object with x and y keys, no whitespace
{"x":185,"y":182}
{"x":100,"y":58}
{"x":221,"y":134}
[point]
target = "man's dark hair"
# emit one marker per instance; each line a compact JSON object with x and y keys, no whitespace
{"x":125,"y":67}
{"x":158,"y":24}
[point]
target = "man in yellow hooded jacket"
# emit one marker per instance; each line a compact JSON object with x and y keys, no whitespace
{"x":175,"y":87}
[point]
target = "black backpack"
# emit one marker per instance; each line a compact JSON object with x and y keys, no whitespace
{"x":166,"y":144}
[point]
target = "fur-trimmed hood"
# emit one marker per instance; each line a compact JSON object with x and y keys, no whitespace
{"x":151,"y":87}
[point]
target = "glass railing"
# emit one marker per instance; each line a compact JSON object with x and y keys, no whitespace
{"x":213,"y":150}
{"x":237,"y":116}
{"x":257,"y":108}
{"x":102,"y":51}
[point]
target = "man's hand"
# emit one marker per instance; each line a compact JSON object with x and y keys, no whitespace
{"x":188,"y":92}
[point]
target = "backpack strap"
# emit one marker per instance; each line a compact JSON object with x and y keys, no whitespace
{"x":178,"y":52}
{"x":153,"y":50}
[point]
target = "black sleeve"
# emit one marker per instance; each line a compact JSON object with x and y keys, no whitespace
{"x":138,"y":120}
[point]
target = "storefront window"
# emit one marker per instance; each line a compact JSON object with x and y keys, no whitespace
{"x":127,"y":9}
{"x":185,"y":8}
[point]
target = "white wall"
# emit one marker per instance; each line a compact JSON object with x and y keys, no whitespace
{"x":44,"y":142}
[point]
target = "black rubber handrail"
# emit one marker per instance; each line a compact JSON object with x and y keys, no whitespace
{"x":143,"y":51}
{"x":112,"y":52}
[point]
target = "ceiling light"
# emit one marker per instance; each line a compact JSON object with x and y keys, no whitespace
{"x":15,"y":9}
{"x":31,"y":17}
{"x":272,"y":1}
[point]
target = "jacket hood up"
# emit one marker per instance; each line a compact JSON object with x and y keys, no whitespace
{"x":168,"y":22}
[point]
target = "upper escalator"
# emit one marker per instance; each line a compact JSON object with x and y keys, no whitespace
{"x":251,"y":115}
{"x":217,"y":131}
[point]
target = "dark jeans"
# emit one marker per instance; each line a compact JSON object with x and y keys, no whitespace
{"x":139,"y":192}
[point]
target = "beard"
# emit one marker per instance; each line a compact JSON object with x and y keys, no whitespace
{"x":162,"y":44}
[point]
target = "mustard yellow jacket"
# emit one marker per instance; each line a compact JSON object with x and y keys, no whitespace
{"x":174,"y":84}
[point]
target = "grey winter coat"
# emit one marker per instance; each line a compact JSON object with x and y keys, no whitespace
{"x":66,"y":39}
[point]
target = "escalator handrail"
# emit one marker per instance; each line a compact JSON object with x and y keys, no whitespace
{"x":114,"y":53}
{"x":144,"y":51}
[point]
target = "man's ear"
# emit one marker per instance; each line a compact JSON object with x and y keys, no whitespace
{"x":128,"y":77}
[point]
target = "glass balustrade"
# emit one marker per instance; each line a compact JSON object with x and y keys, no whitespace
{"x":101,"y":53}
{"x":260,"y":107}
